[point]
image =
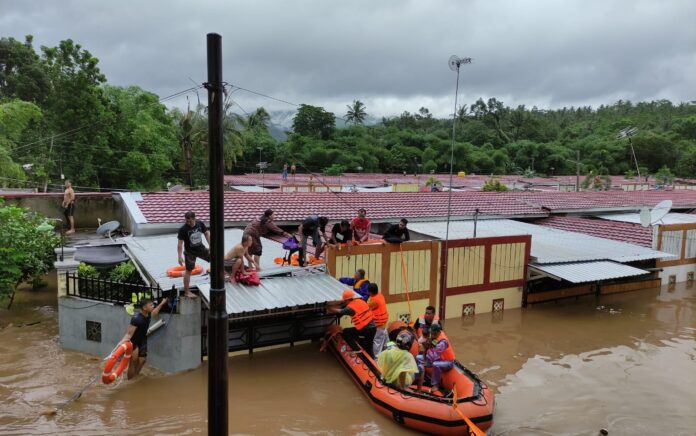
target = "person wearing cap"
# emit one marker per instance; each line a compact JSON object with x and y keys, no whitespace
{"x":364,"y":329}
{"x":396,"y":362}
{"x":137,"y":334}
{"x":378,"y":306}
{"x":438,"y":355}
{"x":361,"y":226}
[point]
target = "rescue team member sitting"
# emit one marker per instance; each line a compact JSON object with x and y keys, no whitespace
{"x":397,"y":364}
{"x":314,"y":227}
{"x":363,"y":330}
{"x":424,"y":322}
{"x":137,"y":334}
{"x":340,"y":233}
{"x":359,"y":283}
{"x":378,"y":306}
{"x":234,"y":259}
{"x":191,"y":242}
{"x":361,"y":227}
{"x":438,"y":355}
{"x":397,"y":233}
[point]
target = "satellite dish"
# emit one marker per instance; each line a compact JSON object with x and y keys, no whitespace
{"x":106,"y":228}
{"x":645,"y":217}
{"x":660,"y":211}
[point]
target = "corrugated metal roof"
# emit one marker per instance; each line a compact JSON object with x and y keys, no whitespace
{"x":582,"y":272}
{"x":279,"y":293}
{"x":549,"y":245}
{"x":156,"y":254}
{"x":670,"y":218}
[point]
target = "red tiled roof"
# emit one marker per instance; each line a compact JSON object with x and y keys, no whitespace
{"x":390,"y":206}
{"x":618,"y":231}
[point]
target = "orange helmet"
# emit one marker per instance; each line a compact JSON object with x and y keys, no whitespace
{"x":348,"y":294}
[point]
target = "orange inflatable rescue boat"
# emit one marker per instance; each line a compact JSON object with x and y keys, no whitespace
{"x":421,"y":411}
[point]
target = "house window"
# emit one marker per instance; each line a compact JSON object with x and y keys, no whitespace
{"x":468,"y":310}
{"x":498,"y":305}
{"x":93,"y":331}
{"x":690,"y":276}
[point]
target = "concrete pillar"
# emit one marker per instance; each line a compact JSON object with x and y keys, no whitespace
{"x":63,"y":266}
{"x":179,"y":347}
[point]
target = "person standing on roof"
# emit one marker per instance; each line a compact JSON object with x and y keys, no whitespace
{"x":397,"y":233}
{"x":191,"y":247}
{"x":359,"y":283}
{"x":293,"y":170}
{"x":137,"y":334}
{"x":285,"y":172}
{"x":438,"y":355}
{"x":314,"y":226}
{"x":378,"y":306}
{"x":363,"y":330}
{"x":69,"y":207}
{"x":263,"y":226}
{"x":361,"y":226}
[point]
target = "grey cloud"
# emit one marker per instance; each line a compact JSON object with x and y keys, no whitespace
{"x":392,"y":54}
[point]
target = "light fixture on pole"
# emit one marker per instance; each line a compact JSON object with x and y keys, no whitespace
{"x":454,"y":62}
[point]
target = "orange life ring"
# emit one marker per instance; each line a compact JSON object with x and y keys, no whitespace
{"x":178,"y":271}
{"x":125,"y":350}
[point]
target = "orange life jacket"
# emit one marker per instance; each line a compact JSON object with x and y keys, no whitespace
{"x":421,"y":323}
{"x":359,"y":283}
{"x":363,"y":314}
{"x":379,"y":309}
{"x":448,"y":354}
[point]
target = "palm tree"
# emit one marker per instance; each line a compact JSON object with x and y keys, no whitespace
{"x":191,"y":133}
{"x":356,"y":112}
{"x":258,"y":120}
{"x":232,"y":138}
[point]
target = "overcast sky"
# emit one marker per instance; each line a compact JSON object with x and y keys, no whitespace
{"x":392,"y":55}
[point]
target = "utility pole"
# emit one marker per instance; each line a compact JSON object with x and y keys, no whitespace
{"x":50,"y":149}
{"x":577,"y":171}
{"x":217,"y":315}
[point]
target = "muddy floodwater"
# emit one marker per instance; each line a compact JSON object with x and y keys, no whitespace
{"x":626,"y":363}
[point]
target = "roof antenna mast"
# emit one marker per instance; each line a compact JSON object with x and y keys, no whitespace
{"x":454,"y":63}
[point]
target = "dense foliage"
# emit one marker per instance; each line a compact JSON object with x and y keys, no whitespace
{"x":27,"y":241}
{"x":59,"y":116}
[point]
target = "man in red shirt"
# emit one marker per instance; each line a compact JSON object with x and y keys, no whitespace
{"x":360,"y":226}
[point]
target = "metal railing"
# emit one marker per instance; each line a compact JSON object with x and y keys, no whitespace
{"x":107,"y":290}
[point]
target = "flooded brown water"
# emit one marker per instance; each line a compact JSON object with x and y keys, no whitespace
{"x":564,"y":368}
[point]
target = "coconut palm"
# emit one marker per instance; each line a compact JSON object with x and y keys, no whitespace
{"x":356,"y":112}
{"x":258,"y":120}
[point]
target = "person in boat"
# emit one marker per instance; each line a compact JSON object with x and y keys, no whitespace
{"x":191,"y":247}
{"x":359,"y":283}
{"x":438,"y":355}
{"x":424,"y":322}
{"x":397,"y":364}
{"x":364,"y":329}
{"x":314,"y":226}
{"x":378,"y":306}
{"x":137,"y":334}
{"x":234,"y":259}
{"x":263,"y":226}
{"x":397,"y":233}
{"x":361,"y":227}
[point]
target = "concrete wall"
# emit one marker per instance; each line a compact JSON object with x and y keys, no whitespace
{"x":88,"y":207}
{"x":680,"y":271}
{"x":483,"y":301}
{"x":176,"y":348}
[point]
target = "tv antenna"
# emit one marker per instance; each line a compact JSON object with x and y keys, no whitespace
{"x":455,"y":62}
{"x":628,"y":132}
{"x":650,"y":217}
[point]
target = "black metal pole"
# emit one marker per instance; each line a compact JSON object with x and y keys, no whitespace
{"x":217,"y":315}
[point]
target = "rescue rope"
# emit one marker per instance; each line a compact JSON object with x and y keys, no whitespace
{"x":473,"y":429}
{"x":405,"y":278}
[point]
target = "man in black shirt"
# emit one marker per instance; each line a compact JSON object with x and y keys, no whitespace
{"x":397,"y":233}
{"x":341,"y":233}
{"x":314,"y":227}
{"x":191,"y":247}
{"x":137,"y":334}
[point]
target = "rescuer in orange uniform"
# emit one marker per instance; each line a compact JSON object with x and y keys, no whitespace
{"x":438,"y":355}
{"x":379,"y":311}
{"x":364,"y":329}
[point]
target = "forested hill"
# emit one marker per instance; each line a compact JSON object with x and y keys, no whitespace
{"x":58,"y":114}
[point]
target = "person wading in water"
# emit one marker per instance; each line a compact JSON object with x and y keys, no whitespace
{"x":137,"y":334}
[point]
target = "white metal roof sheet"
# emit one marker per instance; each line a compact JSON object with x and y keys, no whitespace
{"x":549,"y":245}
{"x":582,"y":272}
{"x":670,"y":218}
{"x":156,"y":254}
{"x":279,"y":293}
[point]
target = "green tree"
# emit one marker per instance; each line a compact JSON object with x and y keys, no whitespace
{"x":664,"y":176}
{"x":493,"y":185}
{"x":314,"y":122}
{"x":22,"y":75}
{"x":356,"y":112}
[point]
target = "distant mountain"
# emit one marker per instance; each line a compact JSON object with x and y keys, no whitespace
{"x":281,"y":122}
